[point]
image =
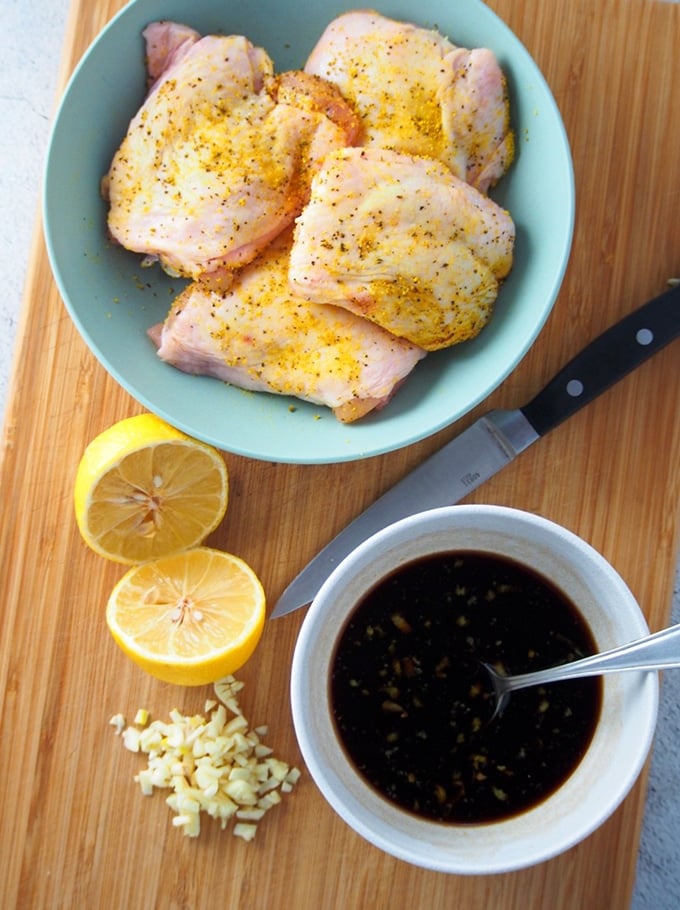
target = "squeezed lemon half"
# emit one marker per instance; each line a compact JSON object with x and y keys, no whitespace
{"x":190,"y":618}
{"x":144,"y":489}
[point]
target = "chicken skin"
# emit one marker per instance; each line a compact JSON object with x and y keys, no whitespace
{"x":256,"y":334}
{"x":166,"y":43}
{"x":416,"y":92}
{"x":217,"y":161}
{"x":399,"y":240}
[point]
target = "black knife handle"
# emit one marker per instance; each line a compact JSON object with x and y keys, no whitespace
{"x":608,"y":358}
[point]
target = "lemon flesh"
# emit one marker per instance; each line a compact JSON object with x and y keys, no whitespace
{"x":144,"y":490}
{"x":190,"y":618}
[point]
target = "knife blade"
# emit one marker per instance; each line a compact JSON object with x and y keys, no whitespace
{"x":498,"y":437}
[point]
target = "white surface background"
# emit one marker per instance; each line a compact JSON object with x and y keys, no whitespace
{"x":31,"y":36}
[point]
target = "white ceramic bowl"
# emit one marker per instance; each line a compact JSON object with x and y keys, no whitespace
{"x":619,"y":745}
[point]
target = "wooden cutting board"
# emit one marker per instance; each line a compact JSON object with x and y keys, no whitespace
{"x":74,"y":829}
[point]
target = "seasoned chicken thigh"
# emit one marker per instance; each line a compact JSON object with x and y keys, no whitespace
{"x":217,"y":161}
{"x":401,"y":241}
{"x":257,"y":335}
{"x":416,"y":92}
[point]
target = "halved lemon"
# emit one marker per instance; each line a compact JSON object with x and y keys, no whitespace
{"x":188,"y":619}
{"x":144,"y":489}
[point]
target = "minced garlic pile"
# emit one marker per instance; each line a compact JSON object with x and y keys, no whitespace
{"x":212,"y":764}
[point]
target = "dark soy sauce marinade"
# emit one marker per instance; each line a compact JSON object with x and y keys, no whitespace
{"x":411,"y":706}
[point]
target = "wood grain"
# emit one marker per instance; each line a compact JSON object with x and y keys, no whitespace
{"x":74,"y":829}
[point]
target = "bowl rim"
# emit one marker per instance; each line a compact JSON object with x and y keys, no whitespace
{"x":513,"y":843}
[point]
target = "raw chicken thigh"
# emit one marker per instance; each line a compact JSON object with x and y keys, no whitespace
{"x":257,"y":335}
{"x":401,"y":241}
{"x":334,"y":220}
{"x":416,"y":92}
{"x":217,"y":161}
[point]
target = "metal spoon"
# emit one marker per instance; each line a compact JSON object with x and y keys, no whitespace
{"x":660,"y":651}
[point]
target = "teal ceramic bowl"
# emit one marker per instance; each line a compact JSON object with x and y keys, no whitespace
{"x":112,"y":301}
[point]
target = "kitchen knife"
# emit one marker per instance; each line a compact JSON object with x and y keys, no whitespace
{"x":497,"y":437}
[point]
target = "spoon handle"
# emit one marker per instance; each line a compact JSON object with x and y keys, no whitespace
{"x":660,"y":651}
